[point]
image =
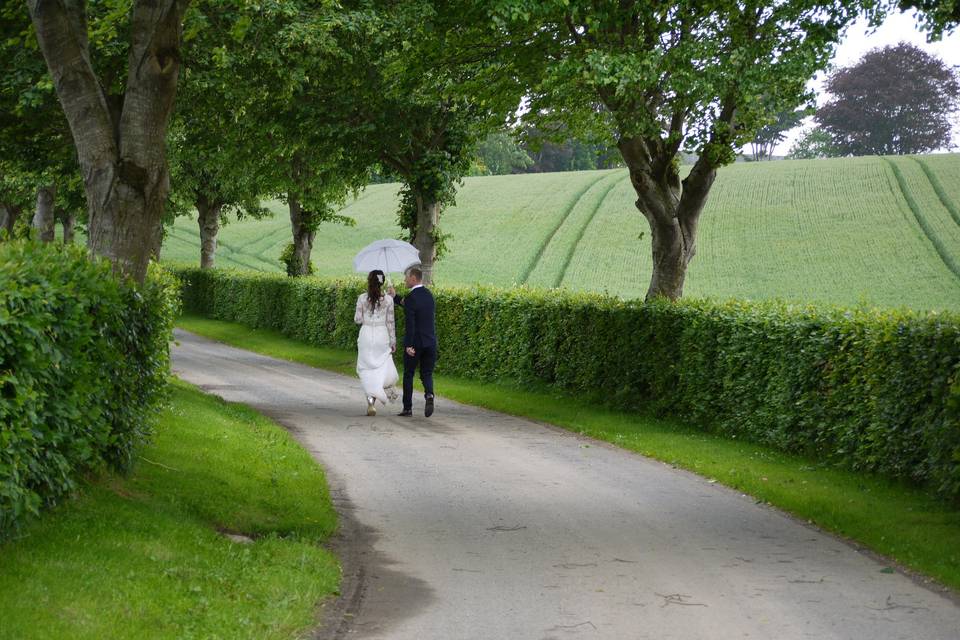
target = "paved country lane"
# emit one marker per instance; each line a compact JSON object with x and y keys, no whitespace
{"x":476,"y":525}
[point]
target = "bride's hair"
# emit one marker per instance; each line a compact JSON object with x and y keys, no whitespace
{"x":374,"y":288}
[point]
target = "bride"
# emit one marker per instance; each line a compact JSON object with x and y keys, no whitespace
{"x":376,"y":344}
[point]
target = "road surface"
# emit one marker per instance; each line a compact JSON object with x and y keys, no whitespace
{"x":475,"y":525}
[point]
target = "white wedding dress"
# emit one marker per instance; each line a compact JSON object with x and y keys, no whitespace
{"x":378,"y":373}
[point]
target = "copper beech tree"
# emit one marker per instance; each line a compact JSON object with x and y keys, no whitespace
{"x":895,"y":100}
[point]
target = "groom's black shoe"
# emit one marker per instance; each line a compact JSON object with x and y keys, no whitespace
{"x":406,"y":413}
{"x":428,"y":410}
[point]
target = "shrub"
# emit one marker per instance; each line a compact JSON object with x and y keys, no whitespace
{"x":873,"y":390}
{"x":83,"y":366}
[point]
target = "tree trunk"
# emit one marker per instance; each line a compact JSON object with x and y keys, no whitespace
{"x":124,"y":224}
{"x":209,"y":220}
{"x":428,"y":216}
{"x":303,"y":235}
{"x":156,"y":243}
{"x":45,"y":218}
{"x":121,"y":152}
{"x":69,"y":221}
{"x":9,"y":214}
{"x":671,"y":208}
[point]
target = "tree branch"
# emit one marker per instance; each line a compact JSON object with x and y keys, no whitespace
{"x":395,"y":163}
{"x":675,"y":132}
{"x":153,"y":70}
{"x":653,"y":178}
{"x":696,"y":186}
{"x":62,"y":34}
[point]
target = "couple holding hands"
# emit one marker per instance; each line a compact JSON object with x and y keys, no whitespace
{"x":378,"y":341}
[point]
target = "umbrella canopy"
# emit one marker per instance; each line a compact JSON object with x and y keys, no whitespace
{"x":387,"y":255}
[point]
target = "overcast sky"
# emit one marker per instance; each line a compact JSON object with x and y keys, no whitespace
{"x":860,"y":38}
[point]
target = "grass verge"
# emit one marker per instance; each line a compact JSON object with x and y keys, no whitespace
{"x":141,"y":556}
{"x":896,"y":520}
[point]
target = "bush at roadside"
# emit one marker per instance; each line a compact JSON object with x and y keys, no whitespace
{"x":874,"y":390}
{"x":84,"y":365}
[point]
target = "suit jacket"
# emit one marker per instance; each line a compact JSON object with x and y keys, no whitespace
{"x":419,"y":310}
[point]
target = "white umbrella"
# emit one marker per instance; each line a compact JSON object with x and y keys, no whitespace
{"x":387,"y":256}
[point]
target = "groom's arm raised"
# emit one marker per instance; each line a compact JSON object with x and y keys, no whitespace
{"x":391,"y":325}
{"x":393,"y":294}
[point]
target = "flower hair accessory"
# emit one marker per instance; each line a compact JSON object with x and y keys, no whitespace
{"x":380,"y":278}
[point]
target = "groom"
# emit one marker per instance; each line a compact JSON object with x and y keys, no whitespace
{"x":419,"y":340}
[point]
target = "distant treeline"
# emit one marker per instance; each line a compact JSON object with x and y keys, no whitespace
{"x":531,"y":151}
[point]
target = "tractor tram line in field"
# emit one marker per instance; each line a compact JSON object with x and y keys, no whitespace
{"x":940,"y":191}
{"x":232,"y":255}
{"x":923,"y":220}
{"x":252,"y":254}
{"x":267,"y":265}
{"x":562,"y":273}
{"x":278,"y":238}
{"x":235,"y":251}
{"x":869,"y":230}
{"x":538,"y":256}
{"x":282,"y":232}
{"x":193,"y":240}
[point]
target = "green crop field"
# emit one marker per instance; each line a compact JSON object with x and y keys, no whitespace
{"x":879,"y":231}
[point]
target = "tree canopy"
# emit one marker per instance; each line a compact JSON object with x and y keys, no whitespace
{"x":937,"y":16}
{"x":656,"y":79}
{"x":36,"y":151}
{"x":304,"y":100}
{"x":813,"y":143}
{"x":770,"y":135}
{"x":416,"y":98}
{"x":264,"y":76}
{"x":216,"y":153}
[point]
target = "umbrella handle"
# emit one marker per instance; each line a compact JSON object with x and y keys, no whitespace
{"x":389,"y":282}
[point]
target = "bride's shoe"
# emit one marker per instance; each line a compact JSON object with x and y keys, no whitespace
{"x":371,"y":410}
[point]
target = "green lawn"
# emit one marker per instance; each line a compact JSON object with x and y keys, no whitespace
{"x":837,"y":230}
{"x":141,"y":556}
{"x":896,"y":520}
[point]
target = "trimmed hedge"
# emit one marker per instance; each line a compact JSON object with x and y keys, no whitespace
{"x":872,"y":390}
{"x":84,"y":363}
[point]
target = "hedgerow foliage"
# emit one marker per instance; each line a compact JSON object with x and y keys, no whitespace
{"x":84,"y":361}
{"x":871,"y":390}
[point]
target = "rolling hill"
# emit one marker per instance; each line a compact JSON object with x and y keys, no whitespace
{"x":876,"y":230}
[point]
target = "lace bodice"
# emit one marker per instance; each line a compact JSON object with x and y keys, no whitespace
{"x":382,"y":316}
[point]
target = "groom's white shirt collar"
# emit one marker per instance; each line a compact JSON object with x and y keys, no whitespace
{"x":416,"y":286}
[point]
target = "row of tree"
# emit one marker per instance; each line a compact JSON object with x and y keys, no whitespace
{"x":527,"y":150}
{"x":305,"y":99}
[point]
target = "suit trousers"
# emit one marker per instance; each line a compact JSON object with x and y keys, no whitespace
{"x":425,"y":358}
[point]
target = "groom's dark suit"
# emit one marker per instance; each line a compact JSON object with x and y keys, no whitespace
{"x":421,"y":334}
